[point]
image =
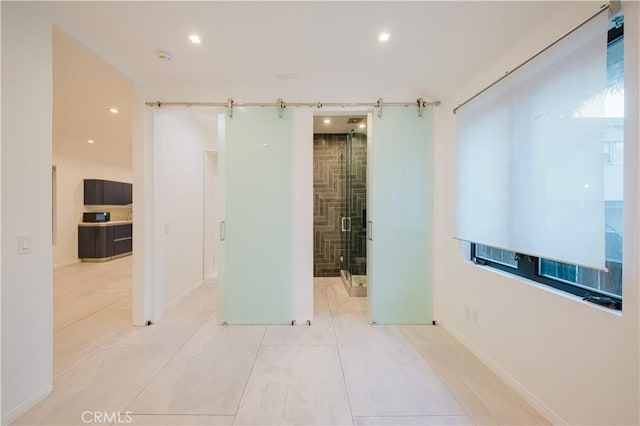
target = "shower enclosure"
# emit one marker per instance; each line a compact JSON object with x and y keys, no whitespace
{"x":353,"y":267}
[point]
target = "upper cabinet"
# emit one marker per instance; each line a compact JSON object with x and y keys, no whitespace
{"x":99,"y":192}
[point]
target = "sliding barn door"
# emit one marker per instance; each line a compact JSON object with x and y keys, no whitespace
{"x":399,"y":231}
{"x":256,"y":216}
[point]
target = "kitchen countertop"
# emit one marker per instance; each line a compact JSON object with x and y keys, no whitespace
{"x":111,"y":223}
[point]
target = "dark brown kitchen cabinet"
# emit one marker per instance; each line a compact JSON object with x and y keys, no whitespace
{"x":128,"y":193}
{"x":104,"y":242}
{"x":98,"y":192}
{"x":122,"y":239}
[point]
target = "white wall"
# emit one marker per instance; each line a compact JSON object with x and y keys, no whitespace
{"x":576,"y":362}
{"x":70,"y":173}
{"x":26,"y":196}
{"x":181,"y":137}
{"x":211,"y":227}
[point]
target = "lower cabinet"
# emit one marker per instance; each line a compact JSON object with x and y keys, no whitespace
{"x":122,"y":239}
{"x":104,"y":242}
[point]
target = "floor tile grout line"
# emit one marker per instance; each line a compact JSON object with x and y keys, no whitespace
{"x":416,"y":415}
{"x":246,"y":385}
{"x":447,"y":387}
{"x":88,"y":354}
{"x":89,"y":314}
{"x":182,"y":414}
{"x":344,"y":378}
{"x":171,"y":358}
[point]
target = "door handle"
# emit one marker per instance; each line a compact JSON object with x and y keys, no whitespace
{"x":343,"y":224}
{"x":370,"y":231}
{"x":222,"y":231}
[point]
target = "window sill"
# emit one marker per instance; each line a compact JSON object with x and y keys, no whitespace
{"x":546,"y":288}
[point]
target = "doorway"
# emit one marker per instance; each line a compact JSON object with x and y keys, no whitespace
{"x":92,"y":204}
{"x":340,"y":200}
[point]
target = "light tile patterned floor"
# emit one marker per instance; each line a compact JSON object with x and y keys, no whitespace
{"x":188,"y":370}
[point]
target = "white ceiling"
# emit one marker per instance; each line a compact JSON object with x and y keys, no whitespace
{"x":84,"y":88}
{"x":326,"y":51}
{"x":261,"y":51}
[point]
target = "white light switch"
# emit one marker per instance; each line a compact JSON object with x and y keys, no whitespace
{"x":24,"y":244}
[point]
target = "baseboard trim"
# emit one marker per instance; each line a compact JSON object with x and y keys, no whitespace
{"x":182,"y":295}
{"x":520,"y":389}
{"x":211,"y":279}
{"x":26,"y":405}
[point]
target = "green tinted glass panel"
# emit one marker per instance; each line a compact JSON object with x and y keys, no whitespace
{"x":400,"y":205}
{"x":257,"y":248}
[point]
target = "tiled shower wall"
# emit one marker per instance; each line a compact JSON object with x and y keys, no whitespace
{"x":329,"y":203}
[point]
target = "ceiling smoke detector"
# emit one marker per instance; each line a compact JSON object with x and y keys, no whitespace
{"x":163,"y":56}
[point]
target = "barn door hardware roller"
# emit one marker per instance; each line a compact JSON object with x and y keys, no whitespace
{"x":281,"y":107}
{"x":230,"y":107}
{"x":378,"y":107}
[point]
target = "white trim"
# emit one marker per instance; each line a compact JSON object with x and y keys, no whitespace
{"x":518,"y":387}
{"x":182,"y":295}
{"x":211,"y":279}
{"x":302,"y":216}
{"x":26,"y":405}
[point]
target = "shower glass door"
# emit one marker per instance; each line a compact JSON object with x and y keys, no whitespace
{"x":354,"y":212}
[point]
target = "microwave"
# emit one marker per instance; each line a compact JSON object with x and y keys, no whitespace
{"x":96,"y":217}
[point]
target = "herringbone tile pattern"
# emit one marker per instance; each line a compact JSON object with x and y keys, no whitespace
{"x":330,"y":196}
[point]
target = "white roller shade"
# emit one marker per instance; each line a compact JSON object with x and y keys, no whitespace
{"x":530,"y":172}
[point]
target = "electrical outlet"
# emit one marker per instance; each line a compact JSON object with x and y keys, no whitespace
{"x":475,"y":318}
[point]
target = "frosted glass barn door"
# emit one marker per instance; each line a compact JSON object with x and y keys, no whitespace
{"x":399,"y":231}
{"x":255,"y":158}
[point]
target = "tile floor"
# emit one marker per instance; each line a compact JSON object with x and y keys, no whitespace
{"x":188,"y":370}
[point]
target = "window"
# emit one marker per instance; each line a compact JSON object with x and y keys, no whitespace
{"x":601,"y":287}
{"x":596,"y":285}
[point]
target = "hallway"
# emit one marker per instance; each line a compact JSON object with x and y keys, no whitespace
{"x":187,"y":369}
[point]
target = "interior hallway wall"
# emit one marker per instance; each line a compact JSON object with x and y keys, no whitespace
{"x":70,"y":175}
{"x":27,"y":279}
{"x":181,"y":138}
{"x":211,"y":228}
{"x":576,"y":362}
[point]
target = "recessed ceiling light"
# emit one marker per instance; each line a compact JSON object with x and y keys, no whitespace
{"x":362,"y":125}
{"x":327,"y":121}
{"x":195,"y":39}
{"x":113,"y":110}
{"x":91,"y":141}
{"x":384,"y":36}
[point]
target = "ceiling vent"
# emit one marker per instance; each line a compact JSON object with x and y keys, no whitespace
{"x":163,"y":56}
{"x":355,"y":120}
